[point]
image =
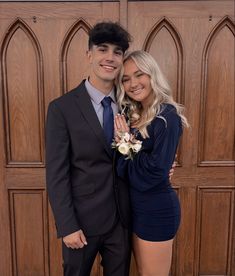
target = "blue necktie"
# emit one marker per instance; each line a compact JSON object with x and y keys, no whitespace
{"x":108,"y":119}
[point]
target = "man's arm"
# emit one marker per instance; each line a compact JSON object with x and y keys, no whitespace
{"x":58,"y":172}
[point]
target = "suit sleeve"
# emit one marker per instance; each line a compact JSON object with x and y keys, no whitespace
{"x":149,"y":169}
{"x":58,"y":172}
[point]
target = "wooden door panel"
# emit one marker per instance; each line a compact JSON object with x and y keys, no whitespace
{"x":75,"y":42}
{"x":164,"y":43}
{"x":214,"y":231}
{"x":43,"y":49}
{"x":28,"y":228}
{"x":217,"y":101}
{"x":23,"y":97}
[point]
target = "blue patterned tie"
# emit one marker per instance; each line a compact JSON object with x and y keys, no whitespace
{"x":108,"y":119}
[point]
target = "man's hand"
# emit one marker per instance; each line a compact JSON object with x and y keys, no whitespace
{"x":171,"y":172}
{"x":75,"y":240}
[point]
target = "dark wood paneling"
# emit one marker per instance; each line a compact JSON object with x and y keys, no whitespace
{"x":28,"y":232}
{"x":217,"y":99}
{"x":23,"y":96}
{"x":44,"y":45}
{"x":215,"y":228}
{"x":75,"y":42}
{"x":164,"y":43}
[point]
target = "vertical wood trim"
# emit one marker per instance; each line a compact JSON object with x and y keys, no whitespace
{"x":123,"y":16}
{"x":186,"y":235}
{"x":231,"y":249}
{"x":233,"y":240}
{"x":176,"y":244}
{"x":5,"y":251}
{"x":46,"y":233}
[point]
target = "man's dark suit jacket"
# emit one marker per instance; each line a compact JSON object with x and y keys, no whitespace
{"x":84,"y":191}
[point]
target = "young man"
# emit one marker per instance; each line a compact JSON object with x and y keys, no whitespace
{"x":90,"y":203}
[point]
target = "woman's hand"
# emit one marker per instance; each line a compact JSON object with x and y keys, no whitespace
{"x":120,"y":126}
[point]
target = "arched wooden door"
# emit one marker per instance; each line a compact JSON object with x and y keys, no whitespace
{"x":43,"y":47}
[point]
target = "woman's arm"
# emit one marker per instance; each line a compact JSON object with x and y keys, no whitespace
{"x":149,"y":169}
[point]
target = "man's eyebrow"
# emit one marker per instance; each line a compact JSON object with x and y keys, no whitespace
{"x":102,"y":45}
{"x":118,"y":48}
{"x":106,"y":45}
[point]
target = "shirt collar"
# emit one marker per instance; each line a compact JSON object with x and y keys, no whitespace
{"x":96,"y":95}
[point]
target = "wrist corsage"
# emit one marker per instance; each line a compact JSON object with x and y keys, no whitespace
{"x":128,"y":145}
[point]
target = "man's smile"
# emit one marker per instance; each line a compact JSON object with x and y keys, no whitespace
{"x":108,"y":67}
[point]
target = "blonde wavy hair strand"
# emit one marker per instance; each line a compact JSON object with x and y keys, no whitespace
{"x":139,"y":117}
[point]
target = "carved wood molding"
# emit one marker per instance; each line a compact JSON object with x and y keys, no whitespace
{"x":12,"y":29}
{"x":224,"y":22}
{"x":175,"y":35}
{"x":222,"y":198}
{"x":79,"y":24}
{"x":166,"y":23}
{"x":27,"y":208}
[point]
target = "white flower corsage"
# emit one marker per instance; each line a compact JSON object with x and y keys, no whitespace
{"x":128,"y":145}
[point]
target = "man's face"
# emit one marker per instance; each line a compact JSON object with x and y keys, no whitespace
{"x":105,"y":60}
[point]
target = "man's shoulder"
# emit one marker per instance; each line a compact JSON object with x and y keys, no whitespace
{"x":69,"y":96}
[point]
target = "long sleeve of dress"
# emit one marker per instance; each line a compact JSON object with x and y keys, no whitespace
{"x":150,"y":167}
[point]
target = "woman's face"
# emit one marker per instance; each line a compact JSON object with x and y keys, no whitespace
{"x":136,"y":83}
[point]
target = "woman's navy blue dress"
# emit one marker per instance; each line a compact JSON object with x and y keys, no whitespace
{"x":155,"y":205}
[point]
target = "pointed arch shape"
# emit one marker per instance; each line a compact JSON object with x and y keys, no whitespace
{"x":165,"y":23}
{"x":20,"y":24}
{"x":225,"y":21}
{"x":79,"y":24}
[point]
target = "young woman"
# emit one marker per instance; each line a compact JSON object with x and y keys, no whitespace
{"x":157,"y":120}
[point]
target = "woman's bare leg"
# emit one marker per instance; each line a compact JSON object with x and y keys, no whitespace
{"x":152,"y":258}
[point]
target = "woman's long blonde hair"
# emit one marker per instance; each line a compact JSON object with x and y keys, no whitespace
{"x":139,"y":117}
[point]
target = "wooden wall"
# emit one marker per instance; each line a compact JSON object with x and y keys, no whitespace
{"x":43,"y":46}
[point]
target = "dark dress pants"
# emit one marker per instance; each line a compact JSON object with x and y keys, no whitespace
{"x":114,"y":248}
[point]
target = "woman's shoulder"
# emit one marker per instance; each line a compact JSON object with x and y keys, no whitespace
{"x":167,"y":114}
{"x":167,"y":109}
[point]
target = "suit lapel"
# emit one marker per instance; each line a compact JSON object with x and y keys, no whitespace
{"x":85,"y":105}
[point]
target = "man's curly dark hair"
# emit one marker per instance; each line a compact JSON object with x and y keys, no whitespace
{"x":109,"y":32}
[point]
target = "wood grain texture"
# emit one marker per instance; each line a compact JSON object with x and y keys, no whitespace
{"x":43,"y":55}
{"x":75,"y":41}
{"x":215,"y":230}
{"x":28,"y":227}
{"x":217,"y":98}
{"x":23,"y":96}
